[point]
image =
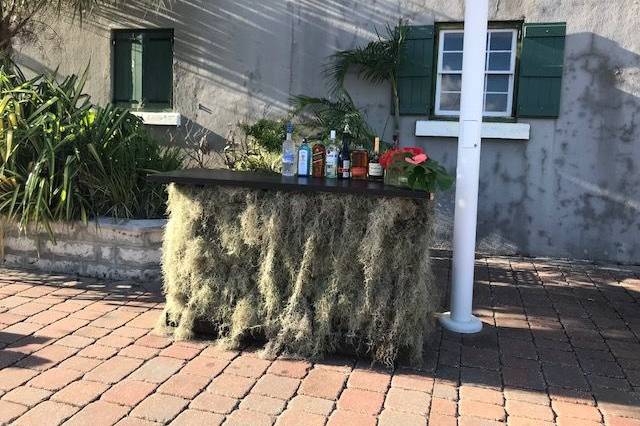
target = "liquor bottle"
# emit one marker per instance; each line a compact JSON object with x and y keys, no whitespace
{"x":289,"y":154}
{"x":376,"y":173}
{"x":304,"y":159}
{"x":319,"y":158}
{"x":331,"y":169}
{"x":359,"y":163}
{"x":344,"y":158}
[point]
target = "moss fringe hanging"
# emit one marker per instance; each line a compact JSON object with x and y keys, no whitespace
{"x":310,"y":272}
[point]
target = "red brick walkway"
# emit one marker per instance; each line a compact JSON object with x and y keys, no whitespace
{"x":560,"y":345}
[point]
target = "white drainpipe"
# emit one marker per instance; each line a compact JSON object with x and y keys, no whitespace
{"x":461,"y":319}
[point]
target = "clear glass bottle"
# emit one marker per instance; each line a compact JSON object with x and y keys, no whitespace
{"x":304,"y":159}
{"x":289,"y":154}
{"x":331,"y":169}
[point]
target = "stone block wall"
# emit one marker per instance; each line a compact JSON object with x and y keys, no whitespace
{"x":103,"y":249}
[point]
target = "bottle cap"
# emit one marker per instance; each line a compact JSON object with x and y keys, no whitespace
{"x":333,"y":134}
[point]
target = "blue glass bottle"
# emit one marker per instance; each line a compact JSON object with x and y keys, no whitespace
{"x":304,"y":159}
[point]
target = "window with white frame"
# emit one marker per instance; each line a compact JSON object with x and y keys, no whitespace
{"x":499,"y":72}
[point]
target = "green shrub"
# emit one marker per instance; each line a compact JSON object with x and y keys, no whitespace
{"x":257,"y":148}
{"x":121,"y":154}
{"x":62,"y":159}
{"x":266,"y":133}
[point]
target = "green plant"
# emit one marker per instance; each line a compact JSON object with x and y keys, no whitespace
{"x":257,"y":147}
{"x":266,"y":133}
{"x":421,"y":172}
{"x":376,"y":62}
{"x":62,"y":159}
{"x":120,"y":155}
{"x":41,"y":123}
{"x":329,"y":114}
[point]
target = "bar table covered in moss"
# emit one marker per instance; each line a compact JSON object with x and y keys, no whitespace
{"x":313,"y":266}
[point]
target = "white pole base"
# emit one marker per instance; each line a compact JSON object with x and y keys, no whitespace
{"x":474,"y":325}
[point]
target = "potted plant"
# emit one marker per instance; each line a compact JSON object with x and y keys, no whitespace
{"x":411,"y":167}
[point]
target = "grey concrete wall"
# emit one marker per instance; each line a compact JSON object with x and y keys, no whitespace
{"x":113,"y":250}
{"x":572,"y":190}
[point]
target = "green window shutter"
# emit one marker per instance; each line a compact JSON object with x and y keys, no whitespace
{"x":127,"y":84}
{"x":415,"y":72}
{"x":157,"y":68}
{"x":541,"y":64}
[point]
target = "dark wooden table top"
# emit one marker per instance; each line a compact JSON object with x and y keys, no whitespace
{"x":207,"y":177}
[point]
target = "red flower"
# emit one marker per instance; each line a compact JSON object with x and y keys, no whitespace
{"x":387,"y":158}
{"x":414,"y":150}
{"x":391,"y":155}
{"x":417,"y":159}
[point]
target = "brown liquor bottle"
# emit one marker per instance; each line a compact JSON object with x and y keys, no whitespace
{"x":319,"y":155}
{"x":359,"y":163}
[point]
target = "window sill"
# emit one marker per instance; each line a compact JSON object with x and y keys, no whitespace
{"x":490,"y":130}
{"x":159,"y":118}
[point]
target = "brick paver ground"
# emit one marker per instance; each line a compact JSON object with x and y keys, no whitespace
{"x":561,"y":345}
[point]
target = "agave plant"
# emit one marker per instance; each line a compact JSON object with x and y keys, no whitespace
{"x":376,"y":62}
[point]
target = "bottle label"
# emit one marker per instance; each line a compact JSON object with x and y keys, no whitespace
{"x":375,"y":169}
{"x":360,"y":172}
{"x":303,"y":163}
{"x":318,"y":160}
{"x":331,"y":168}
{"x":288,"y":157}
{"x":346,"y":165}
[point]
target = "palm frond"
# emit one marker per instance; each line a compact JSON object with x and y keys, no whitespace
{"x":376,"y":62}
{"x":334,"y":114}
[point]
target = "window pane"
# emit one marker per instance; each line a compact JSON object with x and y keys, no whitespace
{"x":452,"y":61}
{"x":501,"y":40}
{"x":500,"y":61}
{"x":451,"y":82}
{"x":453,"y":41}
{"x":497,"y":83}
{"x":495,"y":103}
{"x":450,"y":101}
